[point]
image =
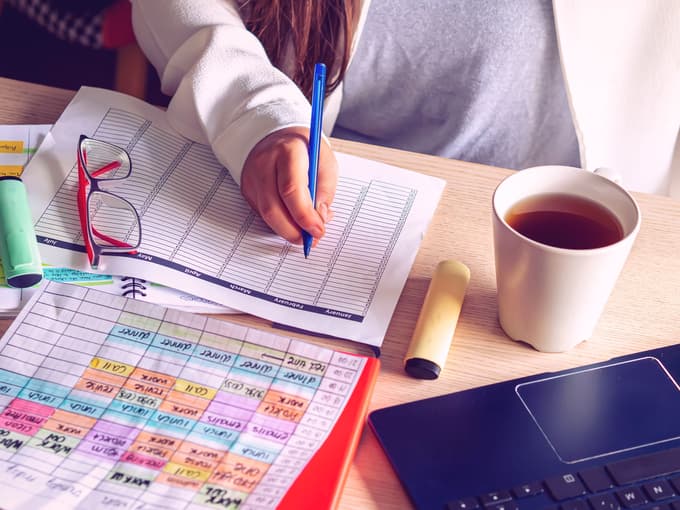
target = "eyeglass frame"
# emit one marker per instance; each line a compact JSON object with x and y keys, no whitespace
{"x":88,"y":184}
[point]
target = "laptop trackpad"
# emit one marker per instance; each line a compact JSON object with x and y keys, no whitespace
{"x":605,"y":410}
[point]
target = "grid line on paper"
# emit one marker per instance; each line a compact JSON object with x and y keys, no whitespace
{"x":391,"y":245}
{"x":198,"y":212}
{"x":341,"y":243}
{"x":138,"y":135}
{"x":236,"y":243}
{"x":156,"y":189}
{"x":285,"y":249}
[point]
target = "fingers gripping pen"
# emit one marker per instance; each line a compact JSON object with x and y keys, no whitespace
{"x":18,"y":246}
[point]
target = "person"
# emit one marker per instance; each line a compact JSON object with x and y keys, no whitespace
{"x":572,"y":82}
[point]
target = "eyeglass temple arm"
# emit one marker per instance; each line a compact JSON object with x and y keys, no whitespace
{"x":106,"y":168}
{"x":113,"y":241}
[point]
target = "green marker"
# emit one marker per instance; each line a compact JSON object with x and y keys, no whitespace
{"x":18,"y":246}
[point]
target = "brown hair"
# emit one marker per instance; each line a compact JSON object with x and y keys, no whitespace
{"x":319,"y":30}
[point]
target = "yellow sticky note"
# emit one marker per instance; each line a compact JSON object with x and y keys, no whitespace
{"x":11,"y":170}
{"x":12,"y":146}
{"x":112,"y":367}
{"x":197,"y":390}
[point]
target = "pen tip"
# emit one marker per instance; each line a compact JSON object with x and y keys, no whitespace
{"x":307,"y":242}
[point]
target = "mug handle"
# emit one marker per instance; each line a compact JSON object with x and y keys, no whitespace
{"x":610,"y":174}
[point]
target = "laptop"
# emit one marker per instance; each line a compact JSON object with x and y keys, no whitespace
{"x":602,"y":436}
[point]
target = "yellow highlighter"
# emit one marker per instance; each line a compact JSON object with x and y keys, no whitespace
{"x":436,"y":324}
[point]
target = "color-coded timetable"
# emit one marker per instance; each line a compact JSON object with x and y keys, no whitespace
{"x":107,"y":402}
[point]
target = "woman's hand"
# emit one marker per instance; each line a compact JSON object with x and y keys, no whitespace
{"x":274,"y":182}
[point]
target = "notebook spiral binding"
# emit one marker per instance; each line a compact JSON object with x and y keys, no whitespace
{"x":133,"y":287}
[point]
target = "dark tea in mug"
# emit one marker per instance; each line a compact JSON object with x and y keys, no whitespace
{"x":565,"y":221}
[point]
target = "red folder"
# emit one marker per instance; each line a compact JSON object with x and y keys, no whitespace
{"x":323,"y":479}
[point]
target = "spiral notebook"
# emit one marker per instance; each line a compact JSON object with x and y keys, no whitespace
{"x":13,"y":300}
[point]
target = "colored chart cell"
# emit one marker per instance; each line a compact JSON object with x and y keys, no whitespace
{"x":12,"y":441}
{"x":179,"y":482}
{"x":243,"y":389}
{"x":214,"y":356}
{"x":138,"y":321}
{"x":143,"y":460}
{"x":152,"y":378}
{"x":112,"y":367}
{"x":219,"y":497}
{"x":59,"y":444}
{"x":86,"y":407}
{"x":154,"y":445}
{"x":140,"y":399}
{"x":24,"y":417}
{"x":195,"y":389}
{"x":239,"y":473}
{"x":102,"y":383}
{"x":213,"y":435}
{"x":71,"y":424}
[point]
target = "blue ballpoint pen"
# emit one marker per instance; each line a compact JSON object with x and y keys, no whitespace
{"x":318,"y":91}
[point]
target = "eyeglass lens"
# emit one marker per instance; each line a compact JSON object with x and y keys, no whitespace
{"x":104,"y":161}
{"x":114,"y":221}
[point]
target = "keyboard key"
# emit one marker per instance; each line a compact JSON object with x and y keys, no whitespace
{"x":493,"y":498}
{"x":604,"y":502}
{"x":508,"y":505}
{"x":631,"y":497}
{"x":565,"y":486}
{"x":596,"y":479}
{"x":676,"y":483}
{"x":576,"y":504}
{"x":644,"y":467}
{"x":463,"y":504}
{"x":659,"y":490}
{"x":528,"y":489}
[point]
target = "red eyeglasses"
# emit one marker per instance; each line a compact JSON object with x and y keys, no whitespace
{"x":110,"y":223}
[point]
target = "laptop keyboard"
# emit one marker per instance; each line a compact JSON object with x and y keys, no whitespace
{"x":649,"y":481}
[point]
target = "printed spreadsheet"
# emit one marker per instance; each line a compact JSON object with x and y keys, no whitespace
{"x":107,"y":402}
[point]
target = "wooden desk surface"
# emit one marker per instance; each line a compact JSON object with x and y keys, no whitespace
{"x":642,"y":312}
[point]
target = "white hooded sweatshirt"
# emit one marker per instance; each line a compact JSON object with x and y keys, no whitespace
{"x":620,"y":59}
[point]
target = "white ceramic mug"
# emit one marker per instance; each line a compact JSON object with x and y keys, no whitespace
{"x":552,"y":297}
